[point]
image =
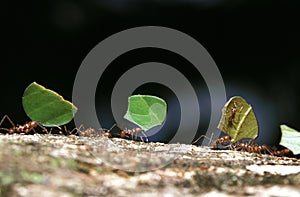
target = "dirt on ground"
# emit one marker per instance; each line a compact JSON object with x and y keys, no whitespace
{"x":59,"y":165}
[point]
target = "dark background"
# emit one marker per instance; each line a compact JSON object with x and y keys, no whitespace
{"x":254,"y":43}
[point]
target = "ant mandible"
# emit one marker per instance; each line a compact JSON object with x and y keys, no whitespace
{"x":125,"y":132}
{"x":26,"y":128}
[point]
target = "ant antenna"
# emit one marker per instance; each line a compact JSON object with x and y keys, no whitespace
{"x":204,"y":136}
{"x":10,"y":121}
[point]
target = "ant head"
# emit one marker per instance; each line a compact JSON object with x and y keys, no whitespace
{"x":107,"y":134}
{"x":33,"y":124}
{"x":123,"y":134}
{"x":11,"y":131}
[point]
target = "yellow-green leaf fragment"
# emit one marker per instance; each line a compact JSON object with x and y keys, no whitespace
{"x":146,"y":111}
{"x":238,"y":119}
{"x":290,"y":139}
{"x":46,"y":106}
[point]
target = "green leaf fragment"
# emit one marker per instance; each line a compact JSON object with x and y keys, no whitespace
{"x":146,"y":111}
{"x":290,"y":139}
{"x":46,"y":106}
{"x":238,"y":119}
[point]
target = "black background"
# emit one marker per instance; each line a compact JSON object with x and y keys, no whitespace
{"x":254,"y":43}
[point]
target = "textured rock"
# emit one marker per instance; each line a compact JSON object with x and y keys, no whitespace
{"x":57,"y":165}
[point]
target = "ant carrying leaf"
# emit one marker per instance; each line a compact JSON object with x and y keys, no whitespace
{"x":238,"y":119}
{"x":239,"y":122}
{"x":46,"y":106}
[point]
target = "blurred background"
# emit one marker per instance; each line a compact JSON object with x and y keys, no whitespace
{"x":255,"y":44}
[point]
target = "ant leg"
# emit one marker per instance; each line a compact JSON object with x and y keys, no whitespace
{"x":136,"y":132}
{"x":77,"y":130}
{"x":231,"y":145}
{"x":65,"y":130}
{"x":71,"y":132}
{"x":36,"y":125}
{"x":133,"y":132}
{"x":44,"y":128}
{"x":136,"y":135}
{"x":241,"y":146}
{"x":141,"y":138}
{"x":265,"y":148}
{"x":146,"y":137}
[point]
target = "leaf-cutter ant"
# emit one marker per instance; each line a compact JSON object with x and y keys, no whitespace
{"x":254,"y":148}
{"x":250,"y":147}
{"x":233,"y":113}
{"x":126,"y":133}
{"x":26,"y":128}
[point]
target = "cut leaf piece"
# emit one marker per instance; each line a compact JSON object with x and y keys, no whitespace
{"x":46,"y":106}
{"x":146,"y":111}
{"x":290,"y":139}
{"x":238,"y":119}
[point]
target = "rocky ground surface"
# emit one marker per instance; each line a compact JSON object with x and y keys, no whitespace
{"x":58,"y":165}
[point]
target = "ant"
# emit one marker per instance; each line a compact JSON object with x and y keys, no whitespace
{"x":124,"y":133}
{"x":233,"y":113}
{"x":253,"y":148}
{"x":89,"y":132}
{"x":26,"y":128}
{"x":231,"y":117}
{"x":249,"y":147}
